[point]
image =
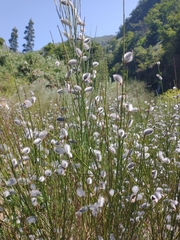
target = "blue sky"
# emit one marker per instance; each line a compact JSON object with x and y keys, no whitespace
{"x":103,"y":17}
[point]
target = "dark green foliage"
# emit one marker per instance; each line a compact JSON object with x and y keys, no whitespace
{"x":58,"y":50}
{"x":135,"y":21}
{"x":13,"y":41}
{"x":1,"y":42}
{"x":29,"y":37}
{"x":153,"y":33}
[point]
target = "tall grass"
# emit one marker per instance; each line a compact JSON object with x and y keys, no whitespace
{"x":93,"y":162}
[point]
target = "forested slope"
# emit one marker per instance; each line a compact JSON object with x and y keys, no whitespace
{"x":153,"y":33}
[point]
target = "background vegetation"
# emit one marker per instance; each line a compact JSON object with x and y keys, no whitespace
{"x":83,"y":156}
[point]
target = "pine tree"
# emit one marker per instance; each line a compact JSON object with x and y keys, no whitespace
{"x":29,"y":37}
{"x":13,"y":40}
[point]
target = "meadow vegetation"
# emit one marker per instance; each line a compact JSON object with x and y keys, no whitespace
{"x":83,"y":156}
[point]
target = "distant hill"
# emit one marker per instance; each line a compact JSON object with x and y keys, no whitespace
{"x":104,"y":40}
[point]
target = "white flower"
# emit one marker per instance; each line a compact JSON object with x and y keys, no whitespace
{"x":57,"y":63}
{"x":95,"y":64}
{"x":148,"y":131}
{"x":118,"y":78}
{"x":101,"y":201}
{"x":128,"y":57}
{"x":89,"y":180}
{"x":135,"y":189}
{"x":31,"y":219}
{"x":80,"y":192}
{"x":111,"y":192}
{"x":72,"y":62}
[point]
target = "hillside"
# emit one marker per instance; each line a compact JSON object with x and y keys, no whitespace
{"x":152,"y":32}
{"x":104,"y":40}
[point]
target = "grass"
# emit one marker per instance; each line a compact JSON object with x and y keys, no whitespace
{"x":99,"y":164}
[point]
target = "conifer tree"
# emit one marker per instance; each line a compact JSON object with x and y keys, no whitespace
{"x":29,"y":37}
{"x":13,"y":40}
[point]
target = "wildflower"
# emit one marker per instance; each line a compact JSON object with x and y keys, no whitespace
{"x":133,"y":198}
{"x":95,"y":64}
{"x":33,"y":99}
{"x":65,"y":2}
{"x":158,"y":63}
{"x":162,"y":158}
{"x":34,"y":201}
{"x":72,"y":62}
{"x":59,"y":149}
{"x":84,"y":58}
{"x":37,"y":141}
{"x":100,"y":110}
{"x":42,"y":179}
{"x":31,"y":219}
{"x":14,"y":162}
{"x":86,"y":77}
{"x":64,"y":164}
{"x":148,"y":131}
{"x":129,"y":107}
{"x":27,"y":104}
{"x":118,"y":78}
{"x":89,"y":180}
{"x":128,"y":57}
{"x":101,"y":201}
{"x":103,"y":174}
{"x":79,"y":21}
{"x":24,"y":181}
{"x":114,"y":116}
{"x":60,"y":171}
{"x":17,"y":122}
{"x":98,"y":155}
{"x":85,"y":46}
{"x":65,"y":21}
{"x":25,"y":150}
{"x":78,"y":52}
{"x":121,"y":133}
{"x":154,"y":174}
{"x":68,"y":35}
{"x":88,"y":89}
{"x":6,"y":194}
{"x":48,"y":173}
{"x":86,"y":40}
{"x":43,"y":134}
{"x":135,"y":189}
{"x":57,"y":63}
{"x":80,"y":192}
{"x":35,"y":193}
{"x":83,"y":209}
{"x":60,"y":91}
{"x":154,"y":198}
{"x":130,"y":165}
{"x":112,"y":149}
{"x":111,"y":192}
{"x":67,"y":150}
{"x":160,"y":78}
{"x":130,"y":122}
{"x":11,"y":182}
{"x":63,"y":133}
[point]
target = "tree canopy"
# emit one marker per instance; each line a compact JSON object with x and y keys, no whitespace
{"x":29,"y":37}
{"x":13,"y":41}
